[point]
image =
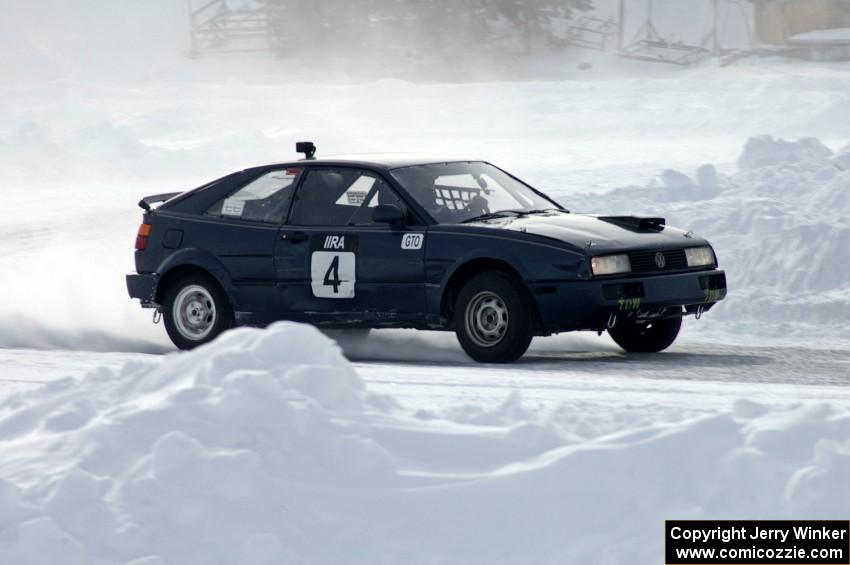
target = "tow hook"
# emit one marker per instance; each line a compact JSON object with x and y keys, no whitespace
{"x":157,"y":316}
{"x":612,"y":321}
{"x":698,"y":313}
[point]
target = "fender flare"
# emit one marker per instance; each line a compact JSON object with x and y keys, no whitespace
{"x":199,"y":259}
{"x":488,"y":254}
{"x":437,"y":301}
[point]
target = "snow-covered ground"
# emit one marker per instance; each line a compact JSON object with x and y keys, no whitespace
{"x":271,"y":447}
{"x":429,"y":373}
{"x":245,"y":452}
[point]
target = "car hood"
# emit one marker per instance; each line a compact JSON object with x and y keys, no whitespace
{"x":597,"y":233}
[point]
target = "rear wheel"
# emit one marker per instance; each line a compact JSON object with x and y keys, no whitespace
{"x":648,"y":337}
{"x":195,"y":311}
{"x":493,"y":318}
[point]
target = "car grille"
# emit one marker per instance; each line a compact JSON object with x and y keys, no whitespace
{"x":645,"y":261}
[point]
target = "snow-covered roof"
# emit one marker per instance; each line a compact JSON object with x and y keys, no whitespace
{"x":835,"y":36}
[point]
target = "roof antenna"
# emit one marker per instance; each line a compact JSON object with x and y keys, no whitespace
{"x":308,"y":148}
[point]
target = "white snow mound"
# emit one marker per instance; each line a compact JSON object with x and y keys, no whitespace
{"x":779,"y":225}
{"x":265,"y":447}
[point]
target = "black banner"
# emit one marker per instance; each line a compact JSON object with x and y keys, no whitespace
{"x":757,"y":542}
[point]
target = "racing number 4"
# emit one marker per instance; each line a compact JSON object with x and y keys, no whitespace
{"x":333,"y":274}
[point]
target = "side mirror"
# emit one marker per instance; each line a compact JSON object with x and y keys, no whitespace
{"x":387,"y":214}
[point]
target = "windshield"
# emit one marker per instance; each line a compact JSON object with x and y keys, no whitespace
{"x":458,"y":192}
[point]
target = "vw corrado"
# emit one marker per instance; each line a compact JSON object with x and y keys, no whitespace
{"x":396,"y":241}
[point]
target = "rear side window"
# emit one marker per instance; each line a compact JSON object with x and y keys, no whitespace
{"x":265,"y":199}
{"x":339,"y":197}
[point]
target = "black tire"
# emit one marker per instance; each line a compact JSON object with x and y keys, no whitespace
{"x":195,"y":311}
{"x":493,"y":318}
{"x":650,"y":337}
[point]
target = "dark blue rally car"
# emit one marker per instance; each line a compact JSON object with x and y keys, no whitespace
{"x":400,"y":241}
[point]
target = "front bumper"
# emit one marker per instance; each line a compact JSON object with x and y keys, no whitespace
{"x":144,"y":288}
{"x":576,"y":305}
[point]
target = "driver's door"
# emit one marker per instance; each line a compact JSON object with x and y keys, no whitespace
{"x":336,"y":266}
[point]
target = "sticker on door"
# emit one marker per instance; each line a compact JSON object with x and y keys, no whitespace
{"x":412,"y":241}
{"x":333,"y":266}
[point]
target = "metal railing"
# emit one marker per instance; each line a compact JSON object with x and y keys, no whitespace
{"x":592,"y":33}
{"x":216,"y":26}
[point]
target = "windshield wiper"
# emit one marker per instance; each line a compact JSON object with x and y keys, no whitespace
{"x":491,"y":215}
{"x":530,"y":212}
{"x":505,"y":213}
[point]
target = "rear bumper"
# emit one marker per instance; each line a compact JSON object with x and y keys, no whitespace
{"x":589,"y":304}
{"x":143,"y":287}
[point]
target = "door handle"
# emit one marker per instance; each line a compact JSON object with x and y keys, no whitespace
{"x":295,"y":237}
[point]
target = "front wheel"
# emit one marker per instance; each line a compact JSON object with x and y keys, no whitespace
{"x":195,"y":311}
{"x":493,"y":318}
{"x":651,"y":336}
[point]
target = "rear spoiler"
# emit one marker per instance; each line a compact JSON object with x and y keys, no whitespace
{"x":145,"y":203}
{"x":636,"y":222}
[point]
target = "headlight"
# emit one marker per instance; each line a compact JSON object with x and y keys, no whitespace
{"x":700,"y":256}
{"x":610,"y":264}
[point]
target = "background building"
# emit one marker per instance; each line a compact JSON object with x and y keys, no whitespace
{"x":777,"y":21}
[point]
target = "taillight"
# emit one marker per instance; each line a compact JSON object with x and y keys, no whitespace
{"x":142,"y":237}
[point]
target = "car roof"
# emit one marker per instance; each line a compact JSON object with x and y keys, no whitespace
{"x":385,"y":161}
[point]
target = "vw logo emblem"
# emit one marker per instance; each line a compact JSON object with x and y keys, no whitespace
{"x":660,"y":260}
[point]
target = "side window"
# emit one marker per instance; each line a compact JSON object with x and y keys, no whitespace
{"x":380,"y":193}
{"x":265,"y":199}
{"x":339,"y":197}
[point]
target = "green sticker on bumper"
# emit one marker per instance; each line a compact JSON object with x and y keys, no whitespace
{"x":629,"y":304}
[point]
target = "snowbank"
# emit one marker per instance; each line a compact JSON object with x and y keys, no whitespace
{"x":265,"y":447}
{"x":779,"y":225}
